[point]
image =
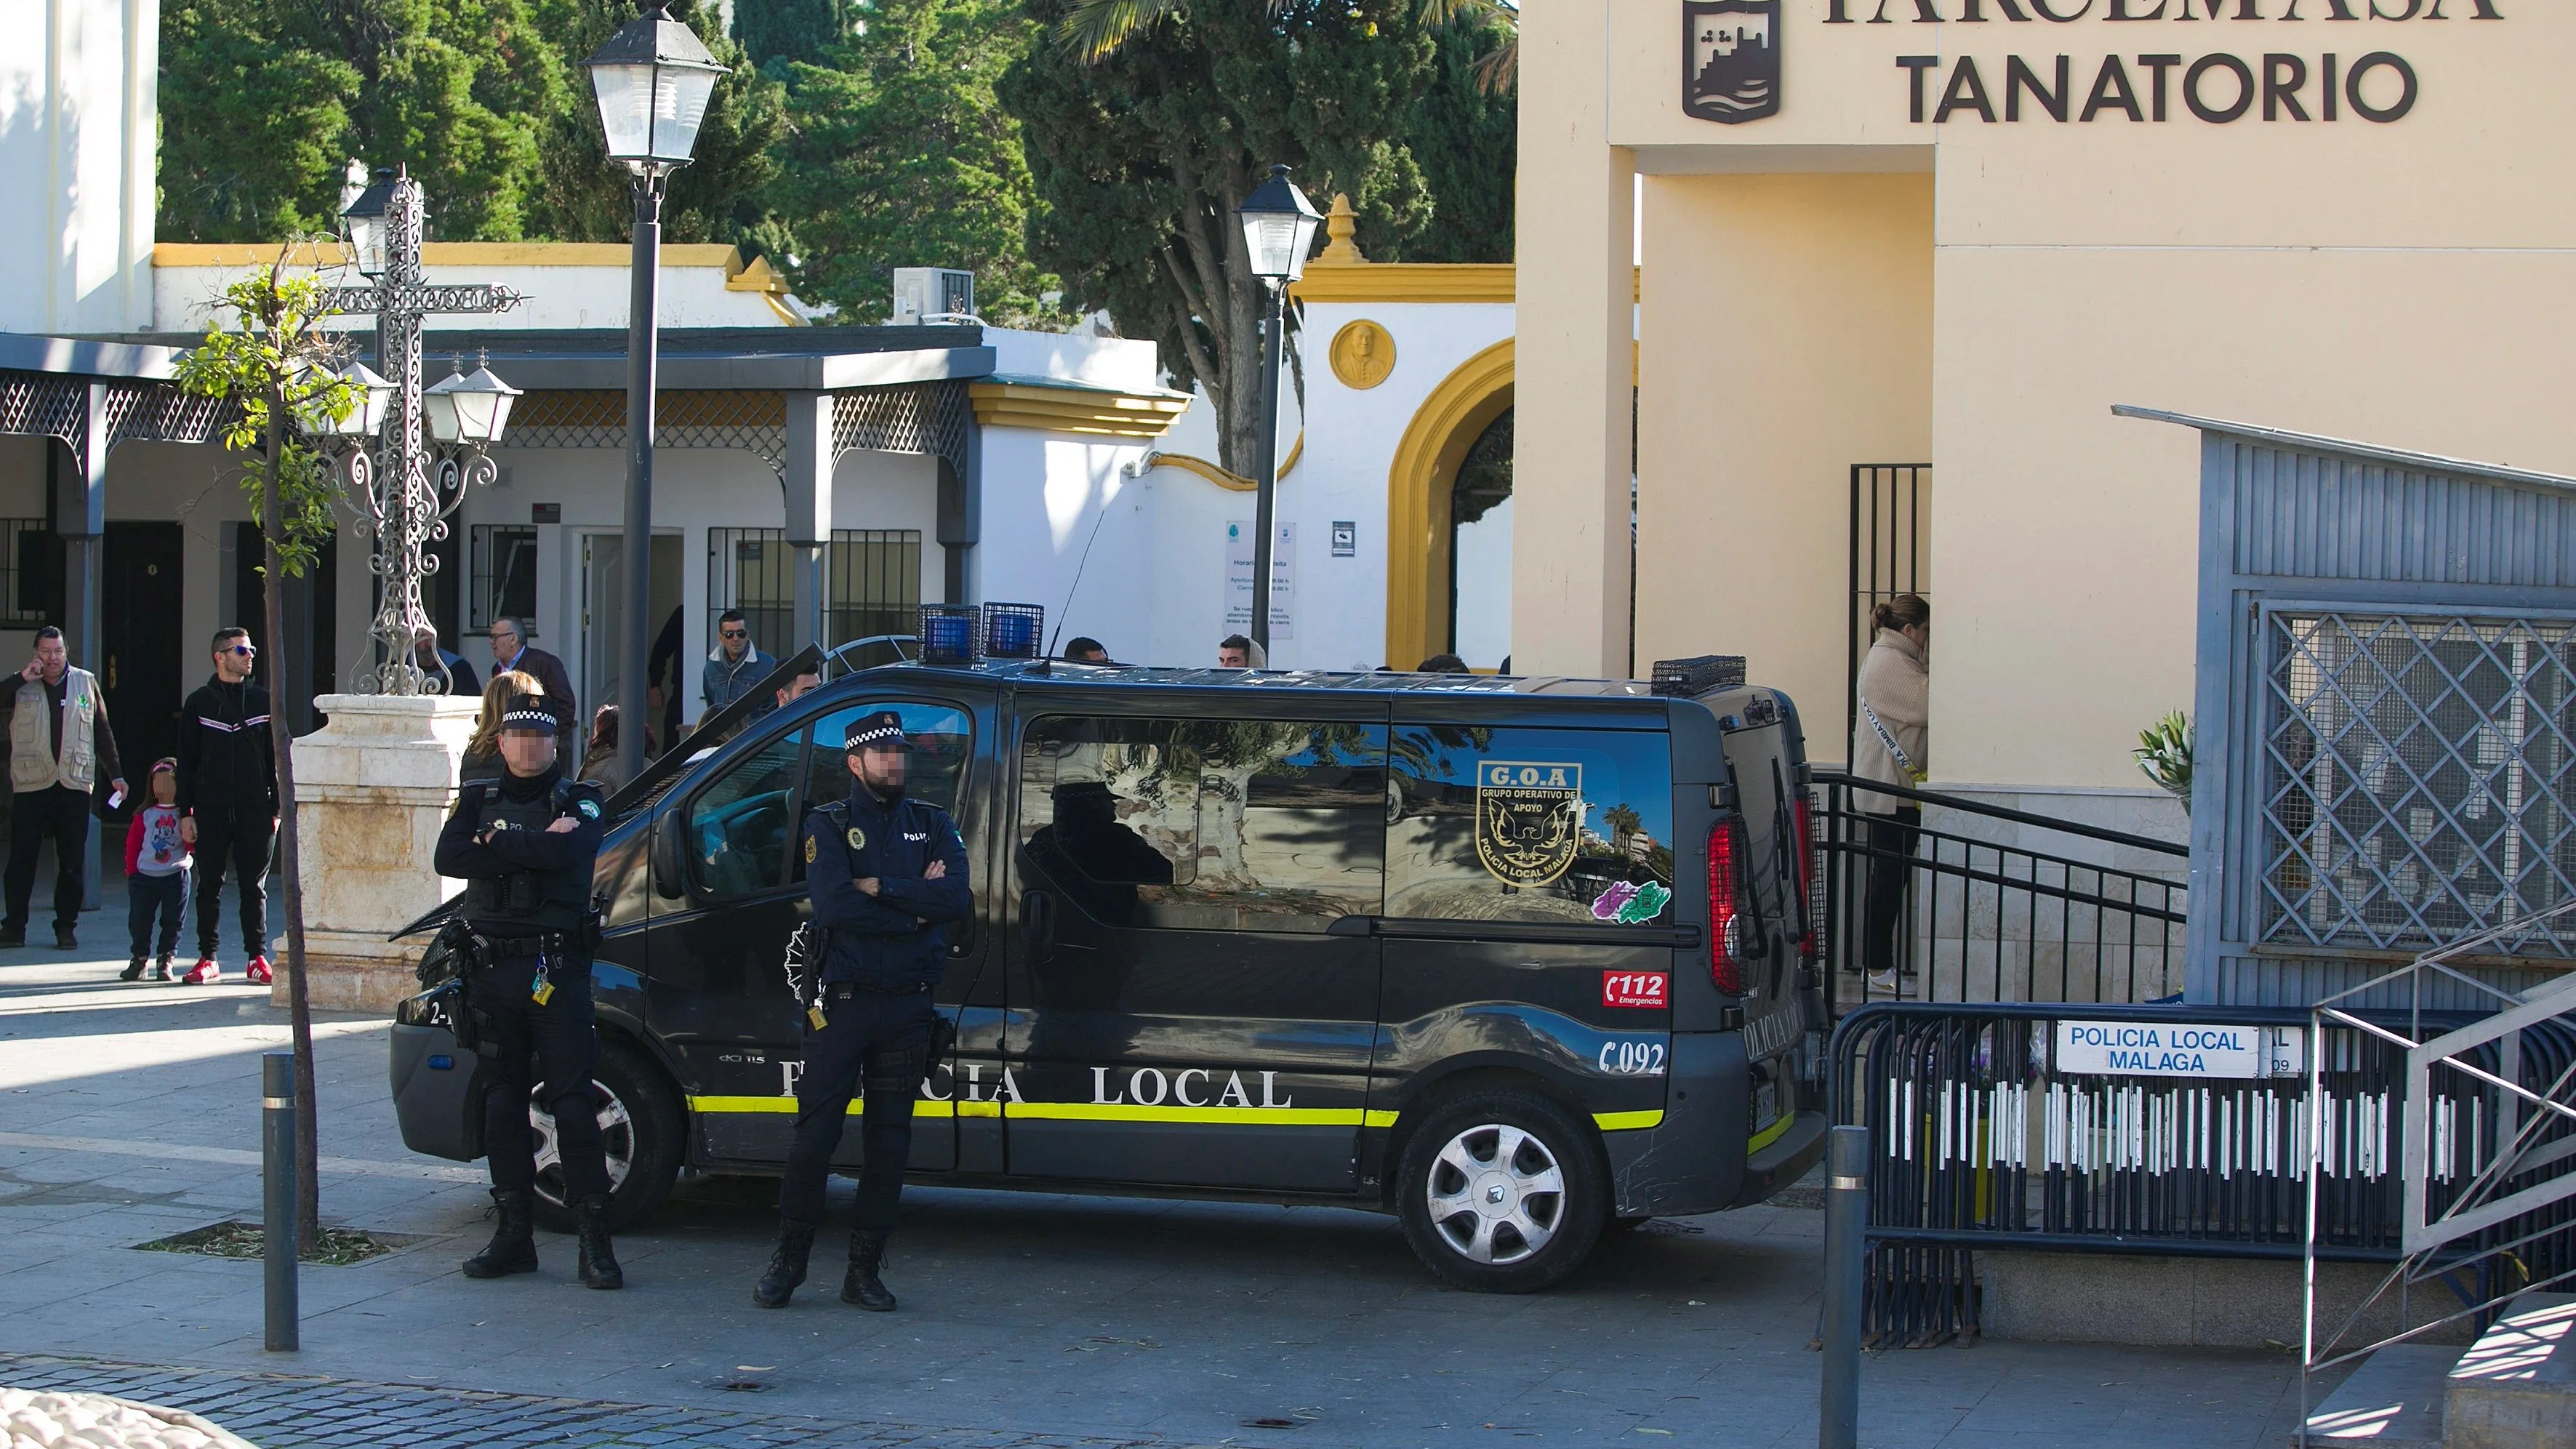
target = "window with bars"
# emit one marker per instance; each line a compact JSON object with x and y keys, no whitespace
{"x":2417,"y":779}
{"x":872,"y":583}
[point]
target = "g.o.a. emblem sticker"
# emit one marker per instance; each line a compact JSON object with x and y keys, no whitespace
{"x":1529,"y":820}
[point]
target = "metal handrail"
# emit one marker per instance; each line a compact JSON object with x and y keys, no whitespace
{"x":1967,"y":806}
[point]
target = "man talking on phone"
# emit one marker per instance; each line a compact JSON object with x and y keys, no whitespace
{"x":59,"y":746}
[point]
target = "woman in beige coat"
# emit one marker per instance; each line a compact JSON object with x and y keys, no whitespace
{"x":1890,"y":744}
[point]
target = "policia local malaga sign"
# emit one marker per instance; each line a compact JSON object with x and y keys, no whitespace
{"x":2220,"y":70}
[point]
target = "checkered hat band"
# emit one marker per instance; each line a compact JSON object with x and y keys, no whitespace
{"x":528,"y":716}
{"x":872,"y":734}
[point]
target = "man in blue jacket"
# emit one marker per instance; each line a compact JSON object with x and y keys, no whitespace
{"x":887,"y":874}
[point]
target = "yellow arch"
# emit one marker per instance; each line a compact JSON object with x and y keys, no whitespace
{"x":1417,"y":499}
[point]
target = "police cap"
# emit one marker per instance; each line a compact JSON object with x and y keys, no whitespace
{"x":882,"y":730}
{"x":527,"y":714}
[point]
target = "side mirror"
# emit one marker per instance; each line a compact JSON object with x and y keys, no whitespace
{"x":670,"y":880}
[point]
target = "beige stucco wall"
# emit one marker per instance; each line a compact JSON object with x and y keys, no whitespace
{"x":1785,"y":333}
{"x":2410,"y":283}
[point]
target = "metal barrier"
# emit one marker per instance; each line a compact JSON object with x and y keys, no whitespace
{"x":1979,"y":1140}
{"x":1970,"y":919}
{"x":2489,"y":1207}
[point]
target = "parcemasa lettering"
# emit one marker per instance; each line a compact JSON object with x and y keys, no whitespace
{"x":2066,"y":12}
{"x":2151,"y":89}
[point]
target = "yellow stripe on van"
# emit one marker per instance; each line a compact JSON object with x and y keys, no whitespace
{"x":786,"y":1107}
{"x":1136,"y":1112}
{"x":1377,"y":1117}
{"x":1628,"y":1121}
{"x":1770,"y":1134}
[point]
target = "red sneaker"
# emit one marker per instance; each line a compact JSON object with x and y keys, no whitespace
{"x":257,"y":971}
{"x":203,"y":973}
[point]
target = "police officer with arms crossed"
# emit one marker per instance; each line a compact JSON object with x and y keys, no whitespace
{"x":887,"y":873}
{"x":524,"y":845}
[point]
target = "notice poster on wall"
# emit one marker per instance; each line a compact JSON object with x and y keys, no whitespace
{"x":1238,"y":580}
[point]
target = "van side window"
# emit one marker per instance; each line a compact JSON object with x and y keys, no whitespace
{"x":1530,"y":825}
{"x":740,"y":829}
{"x":1214,"y":825}
{"x":943,"y":740}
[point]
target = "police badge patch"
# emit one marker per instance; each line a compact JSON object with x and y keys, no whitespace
{"x":1731,"y":59}
{"x":1529,"y":820}
{"x":858,"y":838}
{"x":809,"y":850}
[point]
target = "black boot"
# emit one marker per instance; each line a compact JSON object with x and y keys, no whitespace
{"x":133,"y":970}
{"x":514,"y":1242}
{"x":786,"y":1264}
{"x":598,"y":1260}
{"x":860,"y":1285}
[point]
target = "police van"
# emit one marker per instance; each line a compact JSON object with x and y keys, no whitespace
{"x":1517,"y":960}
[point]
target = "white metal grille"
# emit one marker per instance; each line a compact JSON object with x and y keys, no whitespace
{"x":2417,"y":776}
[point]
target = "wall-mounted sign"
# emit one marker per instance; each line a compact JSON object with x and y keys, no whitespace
{"x":545,"y":513}
{"x":1346,"y":538}
{"x":2320,"y":72}
{"x":2182,"y":1048}
{"x":1238,"y":580}
{"x":1731,"y":59}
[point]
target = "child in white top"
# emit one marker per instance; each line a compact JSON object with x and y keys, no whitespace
{"x":156,"y":875}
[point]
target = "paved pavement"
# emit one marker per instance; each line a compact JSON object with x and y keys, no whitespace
{"x":128,"y":1113}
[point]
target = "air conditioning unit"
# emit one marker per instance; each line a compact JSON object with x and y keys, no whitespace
{"x":924,"y":293}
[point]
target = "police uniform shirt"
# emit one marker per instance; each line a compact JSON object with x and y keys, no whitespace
{"x":525,"y":806}
{"x":897,"y":937}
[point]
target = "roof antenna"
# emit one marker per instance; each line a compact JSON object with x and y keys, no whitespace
{"x":1085,"y":563}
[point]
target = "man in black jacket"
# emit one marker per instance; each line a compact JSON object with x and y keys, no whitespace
{"x":511,"y":650}
{"x":228,"y":801}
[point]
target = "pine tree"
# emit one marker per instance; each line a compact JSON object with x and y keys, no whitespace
{"x":1465,"y":131}
{"x":1141,"y":155}
{"x":898,"y":154}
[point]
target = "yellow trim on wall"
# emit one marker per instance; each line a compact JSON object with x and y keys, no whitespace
{"x":1221,"y":476}
{"x":1073,"y":409}
{"x":1417,"y":497}
{"x":1405,"y":282}
{"x":450,"y":254}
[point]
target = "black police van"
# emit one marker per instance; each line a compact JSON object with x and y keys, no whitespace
{"x":1515,"y":959}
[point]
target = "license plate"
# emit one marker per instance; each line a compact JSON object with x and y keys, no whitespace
{"x":1647,"y":989}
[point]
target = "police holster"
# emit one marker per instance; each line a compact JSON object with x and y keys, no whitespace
{"x":447,"y":969}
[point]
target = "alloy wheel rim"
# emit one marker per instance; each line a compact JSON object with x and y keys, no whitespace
{"x":616,"y":1135}
{"x":1496,"y":1195}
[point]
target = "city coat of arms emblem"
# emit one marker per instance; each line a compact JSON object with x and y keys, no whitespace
{"x":1529,"y":820}
{"x":1731,"y":59}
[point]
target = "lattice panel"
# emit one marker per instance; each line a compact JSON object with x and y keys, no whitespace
{"x":42,"y":405}
{"x":160,"y":412}
{"x":2418,"y":776}
{"x":755,"y":422}
{"x":928,"y":417}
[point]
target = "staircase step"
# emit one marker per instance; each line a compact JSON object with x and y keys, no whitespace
{"x":2393,"y":1401}
{"x":2516,"y":1387}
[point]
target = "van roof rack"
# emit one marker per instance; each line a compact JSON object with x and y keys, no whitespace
{"x":1690,"y":678}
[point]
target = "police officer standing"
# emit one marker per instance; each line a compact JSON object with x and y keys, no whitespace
{"x":524,"y":845}
{"x":887,"y":874}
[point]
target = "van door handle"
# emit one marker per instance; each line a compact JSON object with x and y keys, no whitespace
{"x":1037,"y":925}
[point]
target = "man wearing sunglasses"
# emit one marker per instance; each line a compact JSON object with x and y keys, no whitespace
{"x":228,"y":802}
{"x":735,"y":664}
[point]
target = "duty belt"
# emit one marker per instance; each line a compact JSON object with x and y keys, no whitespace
{"x":850,"y":990}
{"x":541,"y":944}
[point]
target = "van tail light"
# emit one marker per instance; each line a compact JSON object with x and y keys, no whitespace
{"x":1812,"y":945}
{"x":1726,"y":924}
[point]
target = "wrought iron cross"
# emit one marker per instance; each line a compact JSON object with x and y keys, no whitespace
{"x":410,"y":488}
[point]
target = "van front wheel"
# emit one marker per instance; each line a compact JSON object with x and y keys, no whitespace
{"x":1504,"y":1192}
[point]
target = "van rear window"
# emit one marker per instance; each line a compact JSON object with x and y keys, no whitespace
{"x":1530,"y":825}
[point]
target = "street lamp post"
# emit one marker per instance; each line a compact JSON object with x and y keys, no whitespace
{"x":1278,"y":230}
{"x":412,"y":484}
{"x":652,"y":79}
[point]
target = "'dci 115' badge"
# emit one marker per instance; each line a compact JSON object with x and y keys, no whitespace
{"x":1529,"y":820}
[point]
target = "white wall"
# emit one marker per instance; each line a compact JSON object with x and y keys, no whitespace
{"x":189,"y":280}
{"x":77,"y":147}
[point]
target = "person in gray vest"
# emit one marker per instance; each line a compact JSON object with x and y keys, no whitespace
{"x":59,"y":747}
{"x":524,"y":844}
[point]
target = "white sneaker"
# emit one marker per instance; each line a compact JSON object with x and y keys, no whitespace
{"x":1884,"y":981}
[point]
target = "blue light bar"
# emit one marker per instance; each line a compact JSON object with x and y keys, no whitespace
{"x":1013,"y":631}
{"x":950,"y":633}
